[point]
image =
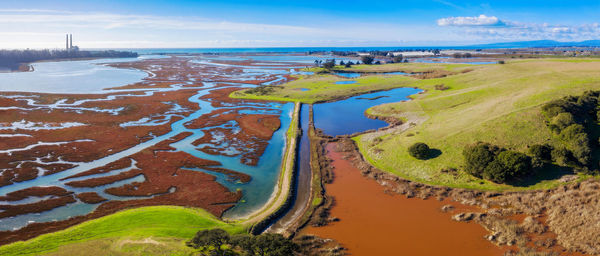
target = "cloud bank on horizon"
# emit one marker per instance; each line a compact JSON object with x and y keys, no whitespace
{"x":489,"y":27}
{"x":104,"y":28}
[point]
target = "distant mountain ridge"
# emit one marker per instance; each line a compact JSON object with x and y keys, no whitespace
{"x":540,"y":43}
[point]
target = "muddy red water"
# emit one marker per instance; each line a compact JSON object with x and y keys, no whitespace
{"x":373,"y":222}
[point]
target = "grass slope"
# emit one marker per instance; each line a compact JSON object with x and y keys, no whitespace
{"x":499,"y":104}
{"x":169,"y":225}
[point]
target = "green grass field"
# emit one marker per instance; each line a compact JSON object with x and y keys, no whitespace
{"x":499,"y":104}
{"x":125,"y":233}
{"x":322,"y":87}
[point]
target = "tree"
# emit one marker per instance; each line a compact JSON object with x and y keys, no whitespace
{"x":495,"y":172}
{"x":329,"y":64}
{"x":419,"y":150}
{"x":214,"y":239}
{"x":478,"y":157}
{"x":398,"y":58}
{"x":274,"y":245}
{"x":264,"y":245}
{"x":543,"y":152}
{"x":507,"y":166}
{"x":516,"y":164}
{"x":561,"y":155}
{"x":342,"y":63}
{"x":367,"y":59}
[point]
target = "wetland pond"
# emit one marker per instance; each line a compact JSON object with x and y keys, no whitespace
{"x":347,"y":116}
{"x":73,"y":77}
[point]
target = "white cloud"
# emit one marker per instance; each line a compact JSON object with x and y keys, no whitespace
{"x":21,"y":28}
{"x":493,"y":29}
{"x":481,"y":20}
{"x":114,"y":21}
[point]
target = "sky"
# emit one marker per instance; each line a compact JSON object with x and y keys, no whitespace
{"x":307,"y":23}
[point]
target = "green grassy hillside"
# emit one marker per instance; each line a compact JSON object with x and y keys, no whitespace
{"x":148,"y":230}
{"x":499,"y":104}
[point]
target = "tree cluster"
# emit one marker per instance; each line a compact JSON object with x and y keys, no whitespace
{"x":263,"y":90}
{"x":329,"y":64}
{"x":367,"y":59}
{"x":219,"y":243}
{"x":574,"y":119}
{"x":459,"y":55}
{"x":13,"y":58}
{"x":496,"y":164}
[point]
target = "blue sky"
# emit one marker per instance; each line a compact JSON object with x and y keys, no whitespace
{"x":259,"y":23}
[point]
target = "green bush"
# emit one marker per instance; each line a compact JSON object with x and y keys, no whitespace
{"x":496,"y":164}
{"x":561,"y":156}
{"x":219,"y":242}
{"x":572,"y":132}
{"x":495,"y":172}
{"x":516,"y":164}
{"x":562,"y":121}
{"x":543,"y":152}
{"x":477,"y":158}
{"x":578,"y":142}
{"x":419,"y":150}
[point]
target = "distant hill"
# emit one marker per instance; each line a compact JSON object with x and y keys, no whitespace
{"x":540,"y":43}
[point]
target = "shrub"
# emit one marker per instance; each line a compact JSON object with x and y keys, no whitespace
{"x":495,"y":172}
{"x":441,"y":87}
{"x":572,"y":132}
{"x":477,"y":158}
{"x":562,"y":156}
{"x":543,"y":152}
{"x":516,"y":164}
{"x":556,"y":107}
{"x":562,"y":121}
{"x":582,"y":152}
{"x":501,"y":62}
{"x":419,"y":150}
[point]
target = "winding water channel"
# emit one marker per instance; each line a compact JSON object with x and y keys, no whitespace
{"x":255,"y":193}
{"x":74,"y":77}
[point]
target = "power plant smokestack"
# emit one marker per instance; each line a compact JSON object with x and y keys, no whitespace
{"x":71,"y":42}
{"x":67,"y":42}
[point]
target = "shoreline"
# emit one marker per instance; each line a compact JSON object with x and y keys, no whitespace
{"x":259,"y":219}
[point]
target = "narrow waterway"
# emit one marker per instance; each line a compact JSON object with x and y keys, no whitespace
{"x":302,"y":184}
{"x":373,"y":222}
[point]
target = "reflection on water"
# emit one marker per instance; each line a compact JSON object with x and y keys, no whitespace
{"x":347,"y":116}
{"x":70,"y":77}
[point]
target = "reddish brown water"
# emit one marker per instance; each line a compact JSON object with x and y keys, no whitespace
{"x":375,"y":223}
